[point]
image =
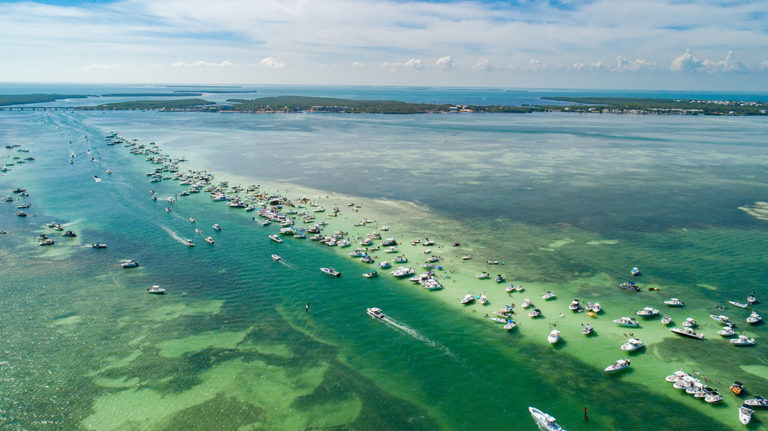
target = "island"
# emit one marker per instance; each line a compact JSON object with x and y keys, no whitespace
{"x":631,"y":105}
{"x":23,"y":99}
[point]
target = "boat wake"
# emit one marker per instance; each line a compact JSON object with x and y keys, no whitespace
{"x":173,"y":234}
{"x":417,"y":335}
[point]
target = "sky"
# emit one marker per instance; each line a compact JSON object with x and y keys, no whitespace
{"x":719,"y":45}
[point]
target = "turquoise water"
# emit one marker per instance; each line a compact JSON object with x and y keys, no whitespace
{"x":568,"y":202}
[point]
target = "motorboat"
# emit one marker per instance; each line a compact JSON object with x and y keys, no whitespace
{"x":635,"y":271}
{"x":69,"y":234}
{"x":467,"y":299}
{"x":498,"y":319}
{"x":752,"y":299}
{"x":192,"y":220}
{"x":712,"y":396}
{"x":482,"y":299}
{"x":519,"y":288}
{"x":216,"y":227}
{"x":330,"y":271}
{"x":276,"y":257}
{"x":46,"y":241}
{"x":666,"y":320}
{"x":690,"y":322}
{"x":403,"y":272}
{"x":632,"y":344}
{"x":366,"y":259}
{"x":620,"y":365}
{"x":375,"y":313}
{"x":534,"y":313}
{"x":647,"y":312}
{"x":727,"y":331}
{"x":629,"y":285}
{"x":371,"y":274}
{"x":400,"y":259}
{"x":754,"y":318}
{"x":385,"y":265}
{"x":98,"y":245}
{"x":275,"y":238}
{"x":157,"y":290}
{"x":526,"y":303}
{"x":554,"y":337}
{"x":596,"y":307}
{"x":745,"y":414}
{"x":575,"y":305}
{"x":510,"y":325}
{"x":757,"y":401}
{"x":210,"y":240}
{"x":548,"y":295}
{"x":588,"y":330}
{"x":189,"y":243}
{"x":687,"y":332}
{"x":544,"y":421}
{"x":467,"y":257}
{"x":628,"y":322}
{"x":483,"y":275}
{"x":499,"y":278}
{"x":738,"y":304}
{"x":674,"y":302}
{"x":723,"y":320}
{"x":510,"y":288}
{"x":742,"y":340}
{"x":129,"y":263}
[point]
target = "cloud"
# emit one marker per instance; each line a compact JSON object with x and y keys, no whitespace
{"x":535,"y":65}
{"x":202,"y":63}
{"x":413,"y":63}
{"x":687,"y":62}
{"x":102,"y":66}
{"x":623,"y":65}
{"x":445,"y":63}
{"x":483,"y":64}
{"x":764,"y":65}
{"x":597,"y":65}
{"x":577,"y":66}
{"x":728,"y":64}
{"x":271,"y":63}
{"x":357,"y":64}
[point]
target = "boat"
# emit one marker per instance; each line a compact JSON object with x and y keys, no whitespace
{"x":216,"y":227}
{"x":544,"y":421}
{"x":157,"y":290}
{"x":403,"y":272}
{"x":723,"y":320}
{"x":467,"y":299}
{"x":276,"y":257}
{"x":554,"y":337}
{"x":629,"y":285}
{"x":635,"y":271}
{"x":371,"y":274}
{"x":727,"y":332}
{"x":25,"y":205}
{"x":499,"y":278}
{"x":752,"y":299}
{"x":687,"y":332}
{"x":96,"y":178}
{"x":375,"y":313}
{"x":737,"y":388}
{"x":129,"y":263}
{"x":191,"y":219}
{"x":275,"y":238}
{"x":400,"y":259}
{"x":498,"y":319}
{"x":745,"y":414}
{"x":510,"y":288}
{"x":632,"y":344}
{"x":574,"y":306}
{"x":548,"y":295}
{"x":666,"y":320}
{"x":647,"y":312}
{"x":674,"y":302}
{"x":210,"y":240}
{"x":738,"y":304}
{"x":467,"y":257}
{"x":588,"y":330}
{"x":510,"y":325}
{"x":628,"y":322}
{"x":742,"y":340}
{"x":330,"y":271}
{"x":482,"y":299}
{"x":483,"y":275}
{"x":534,"y":313}
{"x":21,"y":214}
{"x":189,"y":243}
{"x":46,"y":241}
{"x":596,"y":307}
{"x":69,"y":234}
{"x":754,"y":318}
{"x":620,"y":365}
{"x":757,"y":401}
{"x":526,"y":303}
{"x":98,"y":245}
{"x":690,"y":322}
{"x":385,"y":265}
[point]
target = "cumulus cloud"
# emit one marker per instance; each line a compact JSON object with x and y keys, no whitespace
{"x":413,"y":63}
{"x":535,"y":65}
{"x":597,"y":65}
{"x":687,"y":62}
{"x":577,"y":66}
{"x":271,"y":63}
{"x":483,"y":64}
{"x":445,"y":62}
{"x":201,"y":63}
{"x":728,"y":64}
{"x":623,"y":65}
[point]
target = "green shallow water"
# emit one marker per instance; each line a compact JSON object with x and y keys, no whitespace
{"x":569,"y":203}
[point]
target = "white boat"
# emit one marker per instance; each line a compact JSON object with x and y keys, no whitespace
{"x":723,"y":320}
{"x":757,"y":401}
{"x":674,"y":302}
{"x":375,"y":313}
{"x":483,"y":275}
{"x":467,"y":257}
{"x":628,"y":322}
{"x":157,"y":290}
{"x":210,"y":240}
{"x":754,"y":318}
{"x":575,"y":305}
{"x":498,"y":319}
{"x":548,"y":295}
{"x":192,"y":220}
{"x":526,"y":303}
{"x":534,"y":313}
{"x":631,"y":345}
{"x":666,"y":320}
{"x":129,"y":263}
{"x":635,"y":271}
{"x":752,"y":299}
{"x":554,"y":337}
{"x":403,"y":272}
{"x":510,"y":325}
{"x":467,"y":299}
{"x":330,"y":271}
{"x":687,"y":332}
{"x":690,"y":322}
{"x":648,"y":312}
{"x":371,"y":274}
{"x":727,"y":332}
{"x":275,"y":238}
{"x":587,"y":330}
{"x":216,"y":227}
{"x":510,"y":288}
{"x":276,"y":257}
{"x":621,"y":364}
{"x":483,"y":299}
{"x":745,"y":414}
{"x":189,"y":243}
{"x":98,"y":245}
{"x":596,"y":307}
{"x":738,"y":304}
{"x":544,"y":421}
{"x":385,"y":265}
{"x":743,"y":340}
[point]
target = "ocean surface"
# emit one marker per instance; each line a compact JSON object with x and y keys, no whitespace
{"x":568,"y":202}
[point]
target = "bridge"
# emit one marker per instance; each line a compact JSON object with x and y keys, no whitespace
{"x":37,"y":108}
